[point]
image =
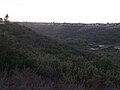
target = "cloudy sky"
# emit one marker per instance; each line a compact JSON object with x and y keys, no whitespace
{"x":83,"y":11}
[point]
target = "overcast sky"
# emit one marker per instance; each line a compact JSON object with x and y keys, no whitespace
{"x":83,"y":11}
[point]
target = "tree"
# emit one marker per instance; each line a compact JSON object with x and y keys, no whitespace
{"x":6,"y":17}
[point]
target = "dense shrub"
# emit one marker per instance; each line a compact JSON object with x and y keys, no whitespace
{"x":22,"y":48}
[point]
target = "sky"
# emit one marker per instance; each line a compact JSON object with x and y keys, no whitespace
{"x":71,"y":11}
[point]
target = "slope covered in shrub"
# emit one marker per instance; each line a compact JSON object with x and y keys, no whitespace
{"x":21,"y":48}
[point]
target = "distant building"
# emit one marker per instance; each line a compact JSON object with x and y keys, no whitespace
{"x":1,"y":21}
{"x":105,"y":46}
{"x":117,"y":47}
{"x":101,"y":46}
{"x":94,"y":49}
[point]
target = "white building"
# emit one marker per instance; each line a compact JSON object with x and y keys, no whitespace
{"x":117,"y":47}
{"x":94,"y":49}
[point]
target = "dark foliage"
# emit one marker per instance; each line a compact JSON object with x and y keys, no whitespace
{"x":21,"y":48}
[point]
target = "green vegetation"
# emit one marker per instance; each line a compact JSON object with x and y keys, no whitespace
{"x":77,"y":33}
{"x":21,"y":48}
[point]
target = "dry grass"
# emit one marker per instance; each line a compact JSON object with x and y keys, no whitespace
{"x":28,"y":80}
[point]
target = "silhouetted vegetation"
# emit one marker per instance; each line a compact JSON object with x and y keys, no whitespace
{"x":58,"y":62}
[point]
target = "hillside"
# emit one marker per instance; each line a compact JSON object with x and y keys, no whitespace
{"x":25,"y":35}
{"x":21,"y":48}
{"x":93,"y":33}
